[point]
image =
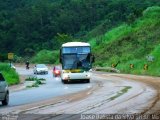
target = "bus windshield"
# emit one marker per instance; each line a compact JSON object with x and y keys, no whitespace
{"x":76,"y":61}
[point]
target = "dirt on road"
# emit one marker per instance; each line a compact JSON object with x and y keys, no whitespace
{"x":151,"y":81}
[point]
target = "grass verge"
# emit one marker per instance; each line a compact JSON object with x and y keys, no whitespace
{"x":10,"y":74}
{"x":36,"y":81}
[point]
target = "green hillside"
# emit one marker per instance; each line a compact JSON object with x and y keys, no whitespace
{"x":130,"y":44}
{"x":29,"y":26}
{"x":122,"y":31}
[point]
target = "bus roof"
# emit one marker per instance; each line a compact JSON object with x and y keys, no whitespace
{"x":72,"y":44}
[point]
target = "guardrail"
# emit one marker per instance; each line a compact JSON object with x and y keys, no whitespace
{"x":106,"y":69}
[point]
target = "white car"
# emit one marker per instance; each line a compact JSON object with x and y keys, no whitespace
{"x":40,"y":68}
{"x":4,"y":92}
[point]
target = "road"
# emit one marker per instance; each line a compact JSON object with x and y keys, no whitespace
{"x":106,"y":94}
{"x":52,"y":88}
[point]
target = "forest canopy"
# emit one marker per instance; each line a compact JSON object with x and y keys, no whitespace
{"x":27,"y":27}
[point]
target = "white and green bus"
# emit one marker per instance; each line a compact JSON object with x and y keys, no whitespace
{"x":76,"y":59}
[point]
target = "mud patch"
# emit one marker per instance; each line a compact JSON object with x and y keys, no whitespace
{"x":121,"y":92}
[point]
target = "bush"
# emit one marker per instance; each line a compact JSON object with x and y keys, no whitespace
{"x":46,"y":57}
{"x":152,"y":12}
{"x":10,"y":74}
{"x":37,"y":81}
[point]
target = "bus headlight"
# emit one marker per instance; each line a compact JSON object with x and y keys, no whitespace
{"x":66,"y":76}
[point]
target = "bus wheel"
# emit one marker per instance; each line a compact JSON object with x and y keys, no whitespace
{"x":64,"y":81}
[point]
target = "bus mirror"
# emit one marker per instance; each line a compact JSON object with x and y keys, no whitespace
{"x":60,"y":59}
{"x":92,"y":59}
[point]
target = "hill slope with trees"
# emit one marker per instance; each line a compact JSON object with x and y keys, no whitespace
{"x":122,"y":31}
{"x":27,"y":27}
{"x":137,"y":43}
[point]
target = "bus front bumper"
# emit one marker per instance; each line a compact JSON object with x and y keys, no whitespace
{"x":76,"y":76}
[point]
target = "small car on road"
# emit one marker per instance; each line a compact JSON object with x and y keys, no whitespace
{"x":40,"y":69}
{"x":4,"y":92}
{"x":56,"y":71}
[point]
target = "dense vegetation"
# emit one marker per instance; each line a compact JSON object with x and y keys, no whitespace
{"x":28,"y":26}
{"x":122,"y":31}
{"x":131,"y":44}
{"x":46,"y":56}
{"x":10,"y":74}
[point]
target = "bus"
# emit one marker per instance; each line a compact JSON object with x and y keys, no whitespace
{"x":76,"y":59}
